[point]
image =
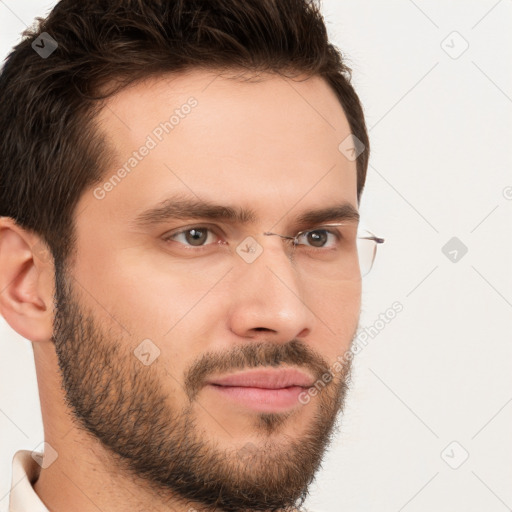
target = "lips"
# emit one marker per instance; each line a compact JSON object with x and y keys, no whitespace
{"x":270,"y":390}
{"x":265,"y":379}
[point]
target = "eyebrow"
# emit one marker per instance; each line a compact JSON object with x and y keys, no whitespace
{"x":180,"y":208}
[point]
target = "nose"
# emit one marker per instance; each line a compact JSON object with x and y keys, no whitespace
{"x":268,"y":297}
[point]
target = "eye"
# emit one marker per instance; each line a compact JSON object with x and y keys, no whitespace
{"x":195,"y":236}
{"x":319,"y":237}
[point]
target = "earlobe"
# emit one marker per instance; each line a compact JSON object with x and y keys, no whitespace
{"x":26,"y":282}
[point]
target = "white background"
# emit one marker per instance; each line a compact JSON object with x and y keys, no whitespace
{"x":440,"y":167}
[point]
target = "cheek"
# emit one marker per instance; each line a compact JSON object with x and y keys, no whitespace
{"x":338,"y":310}
{"x":145,"y":292}
{"x":177,"y":310}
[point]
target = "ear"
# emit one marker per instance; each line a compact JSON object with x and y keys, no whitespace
{"x":26,"y":282}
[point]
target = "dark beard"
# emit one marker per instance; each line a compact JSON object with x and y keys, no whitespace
{"x":123,"y":405}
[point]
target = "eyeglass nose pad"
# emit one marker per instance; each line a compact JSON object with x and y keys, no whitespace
{"x":293,"y":238}
{"x":284,"y":237}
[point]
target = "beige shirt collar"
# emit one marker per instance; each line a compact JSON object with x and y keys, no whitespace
{"x":25,"y":472}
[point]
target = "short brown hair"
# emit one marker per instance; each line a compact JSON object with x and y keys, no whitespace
{"x":50,"y":147}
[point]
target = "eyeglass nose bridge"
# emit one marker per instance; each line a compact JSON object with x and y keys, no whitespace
{"x":294,"y":238}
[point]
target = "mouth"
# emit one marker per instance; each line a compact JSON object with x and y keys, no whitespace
{"x":268,"y":390}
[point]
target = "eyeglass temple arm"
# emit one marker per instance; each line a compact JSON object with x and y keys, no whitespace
{"x":376,"y":239}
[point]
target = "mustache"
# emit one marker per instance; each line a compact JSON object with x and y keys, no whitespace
{"x":252,"y":355}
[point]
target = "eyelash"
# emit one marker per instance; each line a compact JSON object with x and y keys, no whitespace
{"x":168,"y":237}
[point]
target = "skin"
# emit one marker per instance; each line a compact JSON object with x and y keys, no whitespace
{"x":265,"y":145}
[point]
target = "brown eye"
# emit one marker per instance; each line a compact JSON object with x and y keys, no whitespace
{"x":196,"y":236}
{"x":319,"y":238}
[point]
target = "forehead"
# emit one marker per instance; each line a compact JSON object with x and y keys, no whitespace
{"x":266,"y":142}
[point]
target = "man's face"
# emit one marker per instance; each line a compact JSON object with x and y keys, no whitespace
{"x":148,"y":328}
